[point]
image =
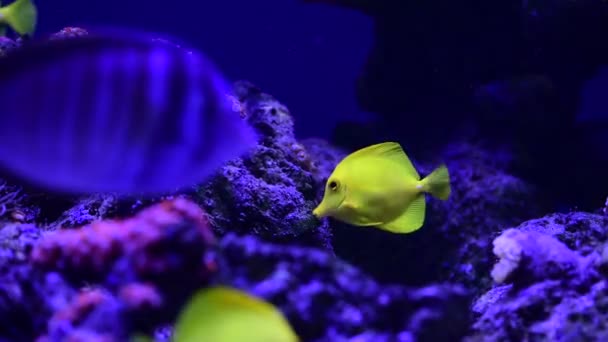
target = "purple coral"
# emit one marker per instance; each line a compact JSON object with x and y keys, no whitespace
{"x":327,"y":299}
{"x":149,"y":264}
{"x":9,"y":198}
{"x":554,"y":290}
{"x":15,"y":206}
{"x":325,"y":159}
{"x":69,"y":32}
{"x":7,"y":45}
{"x":144,"y":242}
{"x":272,"y":192}
{"x":527,"y":257}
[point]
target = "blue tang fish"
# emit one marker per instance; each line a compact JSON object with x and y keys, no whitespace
{"x":116,"y":113}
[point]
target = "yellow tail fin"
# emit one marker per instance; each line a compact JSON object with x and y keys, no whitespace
{"x":438,"y":183}
{"x":21,"y":16}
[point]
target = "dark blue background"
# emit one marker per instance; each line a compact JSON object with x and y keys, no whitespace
{"x":306,"y":55}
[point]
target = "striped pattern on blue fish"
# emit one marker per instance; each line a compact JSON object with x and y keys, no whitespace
{"x":106,"y":113}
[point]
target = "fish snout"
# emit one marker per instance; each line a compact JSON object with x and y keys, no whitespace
{"x":318,"y":213}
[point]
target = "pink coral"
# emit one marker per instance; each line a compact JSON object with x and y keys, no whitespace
{"x":84,"y":303}
{"x":150,"y":242}
{"x":69,"y":32}
{"x":75,"y":313}
{"x":148,"y":265}
{"x":139,"y":296}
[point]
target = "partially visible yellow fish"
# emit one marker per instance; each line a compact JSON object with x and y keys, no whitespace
{"x":378,"y":186}
{"x":223,"y":314}
{"x":21,"y":16}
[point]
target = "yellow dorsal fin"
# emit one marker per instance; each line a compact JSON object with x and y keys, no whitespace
{"x":224,"y":314}
{"x":411,"y":219}
{"x":391,"y":150}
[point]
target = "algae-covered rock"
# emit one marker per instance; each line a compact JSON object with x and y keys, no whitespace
{"x":553,"y":287}
{"x":270,"y":193}
{"x":327,"y":299}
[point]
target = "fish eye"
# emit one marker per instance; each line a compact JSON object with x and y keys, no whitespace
{"x":333,"y":185}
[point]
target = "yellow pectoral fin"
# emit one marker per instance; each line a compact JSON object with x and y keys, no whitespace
{"x":354,"y":215}
{"x":350,"y":206}
{"x":411,"y":220}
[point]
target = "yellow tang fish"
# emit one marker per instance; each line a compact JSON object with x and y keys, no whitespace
{"x":379,"y":186}
{"x":223,"y":314}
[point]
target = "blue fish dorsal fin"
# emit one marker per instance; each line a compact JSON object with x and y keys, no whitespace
{"x":390,"y":150}
{"x":44,"y":51}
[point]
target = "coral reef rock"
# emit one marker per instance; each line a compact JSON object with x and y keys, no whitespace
{"x":551,"y":282}
{"x":270,"y":193}
{"x":144,"y":269}
{"x":327,"y":299}
{"x":111,"y":279}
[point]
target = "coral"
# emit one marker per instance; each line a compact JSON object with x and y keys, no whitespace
{"x":92,"y":315}
{"x":580,"y":231}
{"x":77,"y":212}
{"x":86,"y":210}
{"x":271,"y":193}
{"x":27,"y":297}
{"x":133,"y":275}
{"x":7,"y":45}
{"x":527,"y":257}
{"x":553,"y":271}
{"x":326,"y":299}
{"x":137,"y":296}
{"x":325,"y":159}
{"x":69,"y":32}
{"x":16,"y":205}
{"x":147,"y":265}
{"x":9,"y":198}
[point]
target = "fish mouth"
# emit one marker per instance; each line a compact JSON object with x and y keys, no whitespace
{"x":320,"y":211}
{"x":317,"y":212}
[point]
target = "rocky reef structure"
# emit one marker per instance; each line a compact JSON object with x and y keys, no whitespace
{"x":326,"y":299}
{"x":272,"y":192}
{"x":14,"y":204}
{"x":111,"y":279}
{"x":550,"y":282}
{"x":140,"y":270}
{"x":103,"y":268}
